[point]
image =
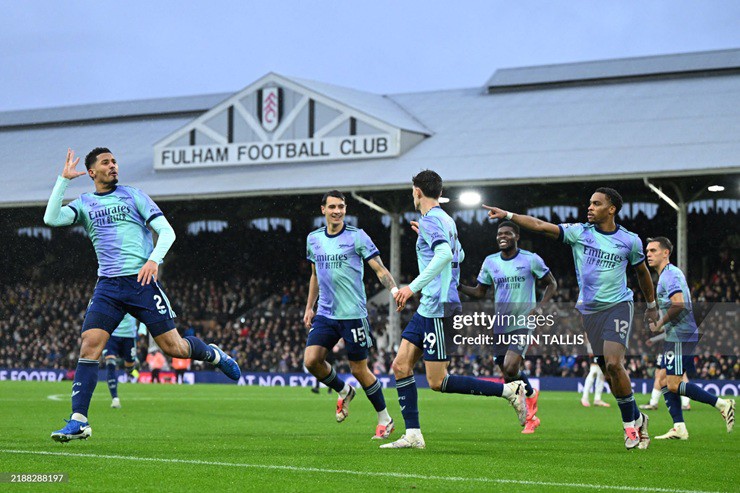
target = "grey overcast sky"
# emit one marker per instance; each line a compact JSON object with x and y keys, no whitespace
{"x":57,"y":53}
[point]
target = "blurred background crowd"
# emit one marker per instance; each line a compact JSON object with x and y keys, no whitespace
{"x":245,"y":288}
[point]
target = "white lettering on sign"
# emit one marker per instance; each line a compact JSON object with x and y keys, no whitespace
{"x":289,"y":151}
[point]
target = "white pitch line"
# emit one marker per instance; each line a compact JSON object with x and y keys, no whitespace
{"x":398,"y":475}
{"x":67,"y":397}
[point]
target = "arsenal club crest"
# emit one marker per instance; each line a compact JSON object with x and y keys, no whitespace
{"x":270,"y":108}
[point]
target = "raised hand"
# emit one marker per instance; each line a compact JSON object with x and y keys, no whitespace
{"x":415,"y":226}
{"x":69,"y":170}
{"x":495,"y":212}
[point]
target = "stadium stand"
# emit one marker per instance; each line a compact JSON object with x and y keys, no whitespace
{"x":233,"y":300}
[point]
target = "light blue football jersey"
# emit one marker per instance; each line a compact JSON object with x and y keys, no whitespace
{"x":601,"y":261}
{"x":116,"y":223}
{"x":339,"y":260}
{"x":670,"y":282}
{"x":514,"y":281}
{"x":436,"y":227}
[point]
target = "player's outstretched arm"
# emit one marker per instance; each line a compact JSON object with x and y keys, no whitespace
{"x":478,"y":292}
{"x":55,"y":214}
{"x":527,"y":222}
{"x":313,"y":295}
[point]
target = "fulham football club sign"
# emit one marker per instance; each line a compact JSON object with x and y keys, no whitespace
{"x":280,"y":120}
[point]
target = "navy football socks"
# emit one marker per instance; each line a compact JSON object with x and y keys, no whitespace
{"x":456,"y":384}
{"x":374,"y":394}
{"x":408,"y":398}
{"x":86,"y":378}
{"x":696,"y":393}
{"x":110,"y":365}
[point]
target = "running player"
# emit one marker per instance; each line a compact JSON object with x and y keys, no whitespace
{"x":116,"y":219}
{"x":602,"y":250}
{"x":513,"y":273}
{"x":682,"y":336}
{"x":337,"y":253}
{"x":439,"y":254}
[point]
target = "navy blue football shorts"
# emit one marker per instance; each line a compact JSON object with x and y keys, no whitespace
{"x":326,"y":332}
{"x":115,"y":296}
{"x":613,"y":324}
{"x":678,"y":357}
{"x":431,"y":335}
{"x":122,"y":347}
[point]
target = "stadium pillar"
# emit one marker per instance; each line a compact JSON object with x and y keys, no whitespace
{"x":682,"y":256}
{"x":681,"y":208}
{"x":394,"y":318}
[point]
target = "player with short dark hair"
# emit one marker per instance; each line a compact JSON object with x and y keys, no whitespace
{"x":337,"y":253}
{"x":122,"y":344}
{"x":513,"y":273}
{"x":602,"y":250}
{"x":117,"y":219}
{"x":681,"y":338}
{"x":439,"y":254}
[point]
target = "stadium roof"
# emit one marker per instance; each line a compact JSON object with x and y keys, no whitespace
{"x":663,"y":66}
{"x":682,"y":123}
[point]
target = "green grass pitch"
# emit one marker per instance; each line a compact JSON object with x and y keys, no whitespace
{"x":227,"y":438}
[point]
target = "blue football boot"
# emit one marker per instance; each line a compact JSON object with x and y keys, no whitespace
{"x":227,"y":364}
{"x":74,"y":430}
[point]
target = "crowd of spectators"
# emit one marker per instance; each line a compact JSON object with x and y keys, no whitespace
{"x":250,"y":299}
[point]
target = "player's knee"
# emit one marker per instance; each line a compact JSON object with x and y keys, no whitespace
{"x":435,"y":384}
{"x":673,"y":384}
{"x":401,"y":369}
{"x":314,"y":364}
{"x":360,"y":372}
{"x":89,"y":350}
{"x":614,"y":368}
{"x":511,"y":372}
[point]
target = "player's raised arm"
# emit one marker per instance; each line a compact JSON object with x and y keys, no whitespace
{"x":527,"y":222}
{"x":55,"y":214}
{"x":313,"y":295}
